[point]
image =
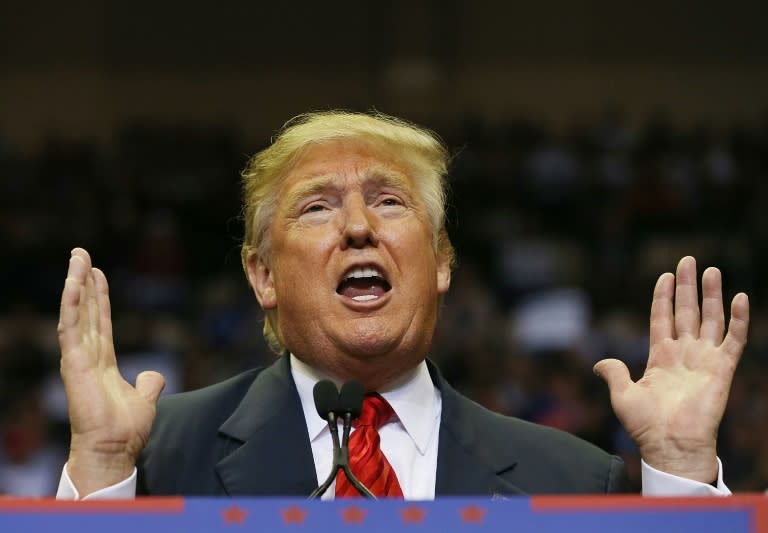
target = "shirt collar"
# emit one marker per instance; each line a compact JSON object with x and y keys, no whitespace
{"x":413,"y":397}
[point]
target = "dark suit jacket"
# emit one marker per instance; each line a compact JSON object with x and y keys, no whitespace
{"x":247,"y":436}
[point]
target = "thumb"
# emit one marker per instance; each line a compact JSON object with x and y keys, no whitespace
{"x":150,"y":384}
{"x":615,"y":373}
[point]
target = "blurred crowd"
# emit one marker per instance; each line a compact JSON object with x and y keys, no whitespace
{"x":560,"y":233}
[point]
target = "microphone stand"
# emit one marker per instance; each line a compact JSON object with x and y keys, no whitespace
{"x":341,"y":451}
{"x":319,"y":491}
{"x":344,"y":463}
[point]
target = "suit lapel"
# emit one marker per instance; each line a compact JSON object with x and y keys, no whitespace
{"x":272,"y":454}
{"x":465,"y":465}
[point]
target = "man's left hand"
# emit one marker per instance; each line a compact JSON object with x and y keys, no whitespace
{"x":673,"y":412}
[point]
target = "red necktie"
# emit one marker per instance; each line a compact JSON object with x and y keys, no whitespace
{"x":366,"y":460}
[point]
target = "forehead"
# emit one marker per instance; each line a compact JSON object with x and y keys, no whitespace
{"x":333,"y":163}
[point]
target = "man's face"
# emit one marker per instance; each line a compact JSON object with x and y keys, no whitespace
{"x":353,"y":276}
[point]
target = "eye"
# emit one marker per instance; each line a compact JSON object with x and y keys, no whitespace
{"x":314,"y":208}
{"x":391,"y":201}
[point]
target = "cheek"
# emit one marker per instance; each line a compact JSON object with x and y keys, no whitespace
{"x":412,"y":235}
{"x":311,"y":242}
{"x":419,"y":267}
{"x":301,"y":269}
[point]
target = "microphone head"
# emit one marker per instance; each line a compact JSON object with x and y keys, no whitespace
{"x":326,"y":398}
{"x":351,"y":398}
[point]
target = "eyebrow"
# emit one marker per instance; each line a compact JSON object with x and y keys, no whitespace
{"x":310,"y":186}
{"x":379,"y":176}
{"x":383,"y":176}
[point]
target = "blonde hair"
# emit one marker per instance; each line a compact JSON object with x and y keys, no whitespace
{"x":421,"y":149}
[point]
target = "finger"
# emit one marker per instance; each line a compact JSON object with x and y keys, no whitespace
{"x":105,"y":315}
{"x":83,"y":254}
{"x":69,"y":311}
{"x":89,"y":316}
{"x":687,"y":320}
{"x":615,"y":373}
{"x":92,"y":307}
{"x":736,"y":338}
{"x":102,"y":299}
{"x":82,"y":310}
{"x":712,"y":319}
{"x":84,"y":316}
{"x":70,"y":295}
{"x":662,"y":318}
{"x":150,"y":384}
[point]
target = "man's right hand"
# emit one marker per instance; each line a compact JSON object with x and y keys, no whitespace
{"x":110,"y":418}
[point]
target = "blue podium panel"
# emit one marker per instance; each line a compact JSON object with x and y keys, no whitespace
{"x":746,"y":513}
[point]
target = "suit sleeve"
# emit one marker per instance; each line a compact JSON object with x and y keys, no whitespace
{"x":616,"y":480}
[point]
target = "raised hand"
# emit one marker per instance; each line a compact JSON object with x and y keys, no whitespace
{"x":673,"y":412}
{"x":110,"y":418}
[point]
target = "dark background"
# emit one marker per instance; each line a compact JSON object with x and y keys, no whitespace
{"x":596,"y":143}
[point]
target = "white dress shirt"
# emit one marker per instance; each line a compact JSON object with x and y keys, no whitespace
{"x":409,"y":441}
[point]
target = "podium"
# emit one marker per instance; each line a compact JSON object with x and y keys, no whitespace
{"x":747,"y":513}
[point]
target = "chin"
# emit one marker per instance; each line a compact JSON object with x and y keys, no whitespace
{"x":376,"y":337}
{"x":367,"y":348}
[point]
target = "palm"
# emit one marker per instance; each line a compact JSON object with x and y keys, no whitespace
{"x":105,"y":409}
{"x":674,"y":396}
{"x":674,"y":410}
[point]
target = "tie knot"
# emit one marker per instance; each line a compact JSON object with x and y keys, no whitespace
{"x":376,"y":411}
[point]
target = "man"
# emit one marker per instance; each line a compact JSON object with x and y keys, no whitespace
{"x":346,"y":251}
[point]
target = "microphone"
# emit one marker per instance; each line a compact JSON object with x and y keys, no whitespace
{"x":350,"y":406}
{"x":351,"y":399}
{"x":330,"y":404}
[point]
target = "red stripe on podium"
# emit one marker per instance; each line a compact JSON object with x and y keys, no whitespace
{"x":628,"y":501}
{"x":162,"y":505}
{"x":760,"y":517}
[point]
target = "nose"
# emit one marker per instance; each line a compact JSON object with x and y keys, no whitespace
{"x":359,"y":225}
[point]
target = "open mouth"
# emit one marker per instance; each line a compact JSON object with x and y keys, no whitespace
{"x":363,"y":284}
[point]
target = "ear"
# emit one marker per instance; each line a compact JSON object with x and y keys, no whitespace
{"x":443,"y":273}
{"x":260,"y":278}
